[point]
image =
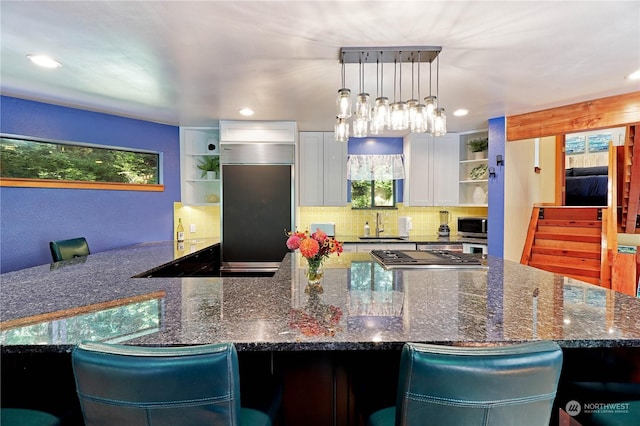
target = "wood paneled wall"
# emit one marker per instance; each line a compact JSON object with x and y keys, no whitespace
{"x":614,"y":111}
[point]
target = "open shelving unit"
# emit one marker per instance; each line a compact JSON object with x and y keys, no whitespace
{"x":196,"y":144}
{"x":474,"y":172}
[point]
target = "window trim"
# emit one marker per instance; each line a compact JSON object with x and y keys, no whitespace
{"x":74,"y":184}
{"x":78,"y":184}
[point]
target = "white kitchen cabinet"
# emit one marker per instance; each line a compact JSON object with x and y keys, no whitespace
{"x":445,"y":170}
{"x":322,"y":170}
{"x":263,"y":131}
{"x":431,"y":170}
{"x":196,"y":145}
{"x":473,"y":178}
{"x":418,"y":169}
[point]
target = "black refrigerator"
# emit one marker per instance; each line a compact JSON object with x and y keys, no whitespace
{"x":257,"y":205}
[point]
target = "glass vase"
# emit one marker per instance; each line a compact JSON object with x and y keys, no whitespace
{"x":314,"y":275}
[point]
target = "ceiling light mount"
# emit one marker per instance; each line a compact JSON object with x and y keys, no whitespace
{"x":405,"y":54}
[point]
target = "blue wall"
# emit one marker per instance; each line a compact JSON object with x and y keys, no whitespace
{"x":497,"y":140}
{"x":31,"y":217}
{"x":377,"y":146}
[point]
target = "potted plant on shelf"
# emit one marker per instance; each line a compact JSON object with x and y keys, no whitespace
{"x":478,"y":147}
{"x":209,"y":166}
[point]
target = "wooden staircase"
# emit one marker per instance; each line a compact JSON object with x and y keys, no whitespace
{"x":630,"y":181}
{"x":567,"y":241}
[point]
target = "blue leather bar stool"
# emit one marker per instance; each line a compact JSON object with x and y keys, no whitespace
{"x":68,"y":249}
{"x":499,"y":385}
{"x":27,"y":417}
{"x":188,"y":385}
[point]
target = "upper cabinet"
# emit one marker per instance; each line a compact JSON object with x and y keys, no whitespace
{"x":200,"y":168}
{"x":431,"y":169}
{"x":258,"y":131}
{"x":474,"y":170}
{"x":322,"y":170}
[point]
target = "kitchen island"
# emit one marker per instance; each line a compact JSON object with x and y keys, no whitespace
{"x":362,"y":317}
{"x":380,"y":309}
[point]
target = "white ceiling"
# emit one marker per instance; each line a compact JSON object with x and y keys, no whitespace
{"x":193,"y":63}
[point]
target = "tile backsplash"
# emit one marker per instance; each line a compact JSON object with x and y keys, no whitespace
{"x":205,"y":218}
{"x":348,"y":221}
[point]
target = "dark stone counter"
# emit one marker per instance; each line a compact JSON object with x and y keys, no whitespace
{"x":362,"y":307}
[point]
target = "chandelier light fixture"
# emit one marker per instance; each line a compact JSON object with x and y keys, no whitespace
{"x":412,"y":115}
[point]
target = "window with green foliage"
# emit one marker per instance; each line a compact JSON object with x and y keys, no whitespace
{"x":37,"y":159}
{"x":368,"y":194}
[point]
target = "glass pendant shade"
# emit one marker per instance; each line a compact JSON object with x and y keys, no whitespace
{"x":419,"y":122}
{"x":381,"y":112}
{"x":363,"y":107}
{"x":439,"y":122}
{"x":342,"y":130}
{"x":399,"y":119}
{"x":412,"y":104}
{"x":360,"y":127}
{"x":376,"y":127}
{"x":430,"y":103}
{"x":343,"y":103}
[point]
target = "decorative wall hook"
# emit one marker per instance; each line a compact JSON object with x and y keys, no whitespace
{"x":492,"y":172}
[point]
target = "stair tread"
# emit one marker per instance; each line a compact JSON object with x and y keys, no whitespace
{"x":588,"y":254}
{"x":565,"y":262}
{"x":568,"y":237}
{"x":570,"y":223}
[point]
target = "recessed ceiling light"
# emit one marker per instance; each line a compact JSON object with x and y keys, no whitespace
{"x":460,"y":112}
{"x":44,"y":61}
{"x":634,"y":75}
{"x":246,"y":112}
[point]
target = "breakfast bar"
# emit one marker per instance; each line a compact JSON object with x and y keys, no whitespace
{"x":363,"y":314}
{"x":380,"y":309}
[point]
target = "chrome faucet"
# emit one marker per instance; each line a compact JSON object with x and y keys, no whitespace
{"x":379,"y":224}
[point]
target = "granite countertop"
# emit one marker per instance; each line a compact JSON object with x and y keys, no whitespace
{"x":362,"y":306}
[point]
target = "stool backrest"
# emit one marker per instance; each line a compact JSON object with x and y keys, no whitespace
{"x":131,"y":385}
{"x":513,"y":384}
{"x":68,"y":249}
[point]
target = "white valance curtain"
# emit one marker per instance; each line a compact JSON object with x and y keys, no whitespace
{"x":375,"y":167}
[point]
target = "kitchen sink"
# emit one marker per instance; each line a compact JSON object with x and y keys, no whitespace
{"x":386,"y":238}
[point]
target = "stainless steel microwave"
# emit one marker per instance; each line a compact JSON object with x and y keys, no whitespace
{"x":473,"y":227}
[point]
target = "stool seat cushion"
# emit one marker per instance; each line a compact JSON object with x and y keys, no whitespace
{"x":25,"y":417}
{"x":251,"y":417}
{"x":386,"y":416}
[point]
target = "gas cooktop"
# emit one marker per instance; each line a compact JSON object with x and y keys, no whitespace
{"x":432,"y":259}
